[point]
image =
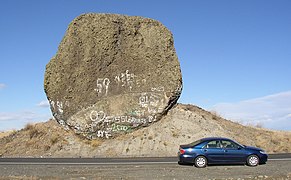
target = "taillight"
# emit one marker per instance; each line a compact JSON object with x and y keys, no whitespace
{"x":182,"y":151}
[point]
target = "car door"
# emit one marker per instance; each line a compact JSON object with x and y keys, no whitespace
{"x":213,"y":151}
{"x":233,"y":153}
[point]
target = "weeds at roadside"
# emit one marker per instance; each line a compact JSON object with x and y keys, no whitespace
{"x":54,"y":139}
{"x":175,"y":134}
{"x":28,"y":127}
{"x":96,"y":143}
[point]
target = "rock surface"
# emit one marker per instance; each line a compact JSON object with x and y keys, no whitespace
{"x":113,"y":74}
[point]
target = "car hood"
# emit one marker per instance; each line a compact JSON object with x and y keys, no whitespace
{"x":253,"y":148}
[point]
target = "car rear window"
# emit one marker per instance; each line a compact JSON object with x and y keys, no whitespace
{"x":195,"y":143}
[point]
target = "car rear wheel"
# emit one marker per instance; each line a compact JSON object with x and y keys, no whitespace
{"x":253,"y":160}
{"x":200,"y":162}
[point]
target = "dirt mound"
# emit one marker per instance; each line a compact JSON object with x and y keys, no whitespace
{"x":183,"y":124}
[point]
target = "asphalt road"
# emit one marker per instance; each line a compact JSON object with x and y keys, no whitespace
{"x":106,"y":161}
{"x":278,"y":167}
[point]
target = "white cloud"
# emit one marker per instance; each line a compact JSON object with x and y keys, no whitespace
{"x":2,"y":86}
{"x":43,"y":104}
{"x":273,"y":111}
{"x":25,"y":115}
{"x":17,"y":120}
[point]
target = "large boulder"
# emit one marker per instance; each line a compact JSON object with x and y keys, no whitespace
{"x":112,"y":74}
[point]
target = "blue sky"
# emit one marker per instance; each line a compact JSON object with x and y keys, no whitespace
{"x":233,"y":54}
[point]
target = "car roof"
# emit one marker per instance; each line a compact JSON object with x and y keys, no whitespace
{"x":214,"y":138}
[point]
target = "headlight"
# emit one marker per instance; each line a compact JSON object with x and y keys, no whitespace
{"x":263,"y":152}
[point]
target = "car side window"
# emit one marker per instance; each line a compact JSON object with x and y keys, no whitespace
{"x":229,"y":144}
{"x":213,"y":144}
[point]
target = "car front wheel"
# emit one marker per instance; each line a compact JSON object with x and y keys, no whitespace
{"x":200,"y":162}
{"x":253,"y":160}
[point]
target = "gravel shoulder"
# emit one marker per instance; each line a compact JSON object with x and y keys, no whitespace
{"x":271,"y":170}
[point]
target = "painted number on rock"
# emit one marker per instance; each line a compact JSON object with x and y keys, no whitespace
{"x":102,"y":86}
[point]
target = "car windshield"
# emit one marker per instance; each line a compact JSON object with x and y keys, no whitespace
{"x":239,"y":144}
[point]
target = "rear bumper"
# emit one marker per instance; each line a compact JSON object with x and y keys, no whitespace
{"x":185,"y":159}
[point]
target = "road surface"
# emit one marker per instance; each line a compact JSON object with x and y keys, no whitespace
{"x":278,"y":167}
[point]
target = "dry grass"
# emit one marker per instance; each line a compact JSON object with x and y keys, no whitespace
{"x":96,"y":142}
{"x":281,"y":142}
{"x":215,"y":115}
{"x":250,"y":134}
{"x":33,"y":131}
{"x":28,"y":126}
{"x":33,"y":140}
{"x":6,"y":133}
{"x":183,"y":124}
{"x":54,"y":139}
{"x":255,"y":125}
{"x":22,"y":177}
{"x":175,"y":134}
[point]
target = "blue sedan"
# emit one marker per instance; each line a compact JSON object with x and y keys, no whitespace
{"x":217,"y":150}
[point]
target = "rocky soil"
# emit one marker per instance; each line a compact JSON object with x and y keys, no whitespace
{"x":183,"y":124}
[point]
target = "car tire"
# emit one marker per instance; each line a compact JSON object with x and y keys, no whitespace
{"x":200,"y":162}
{"x":253,"y":160}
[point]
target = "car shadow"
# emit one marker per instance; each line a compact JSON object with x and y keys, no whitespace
{"x":226,"y":165}
{"x":218,"y":165}
{"x":185,"y":164}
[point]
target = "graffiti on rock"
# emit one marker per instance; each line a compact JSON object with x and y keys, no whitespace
{"x":101,"y":117}
{"x":102,"y":86}
{"x":97,"y":122}
{"x":119,"y":127}
{"x":102,"y":134}
{"x":97,"y":116}
{"x":126,"y":79}
{"x":123,"y":80}
{"x":153,"y":102}
{"x":58,"y":105}
{"x":104,"y":125}
{"x":158,"y":89}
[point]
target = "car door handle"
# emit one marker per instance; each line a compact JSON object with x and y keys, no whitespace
{"x":225,"y":150}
